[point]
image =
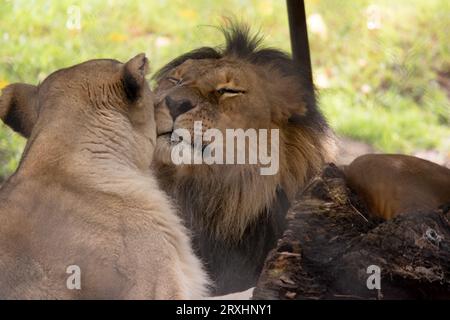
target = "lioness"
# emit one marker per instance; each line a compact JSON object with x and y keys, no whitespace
{"x":83,"y":194}
{"x":236,"y":213}
{"x":393,"y":184}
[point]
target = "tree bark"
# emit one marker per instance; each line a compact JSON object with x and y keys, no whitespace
{"x":331,"y":242}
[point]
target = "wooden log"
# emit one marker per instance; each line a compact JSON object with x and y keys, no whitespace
{"x":331,"y":242}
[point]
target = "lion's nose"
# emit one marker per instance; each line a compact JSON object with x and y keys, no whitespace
{"x":177,"y":108}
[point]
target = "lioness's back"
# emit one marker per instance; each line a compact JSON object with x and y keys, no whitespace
{"x":82,"y":217}
{"x":43,"y":233}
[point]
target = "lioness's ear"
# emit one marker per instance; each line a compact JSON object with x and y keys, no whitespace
{"x":134,"y":72}
{"x":19,"y":107}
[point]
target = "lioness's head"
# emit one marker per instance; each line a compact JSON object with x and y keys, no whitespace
{"x":240,"y":86}
{"x":101,"y":108}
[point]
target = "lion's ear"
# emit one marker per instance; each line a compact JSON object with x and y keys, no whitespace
{"x":19,"y":107}
{"x":134,"y":72}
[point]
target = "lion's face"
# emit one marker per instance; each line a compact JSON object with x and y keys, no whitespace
{"x":238,"y":87}
{"x":223,"y":94}
{"x":220,"y":93}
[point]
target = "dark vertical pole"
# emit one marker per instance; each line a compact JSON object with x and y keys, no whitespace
{"x":299,"y":35}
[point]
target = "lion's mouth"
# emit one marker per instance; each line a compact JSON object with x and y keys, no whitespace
{"x":165,"y":134}
{"x":170,"y":137}
{"x":173,"y":139}
{"x":166,"y":138}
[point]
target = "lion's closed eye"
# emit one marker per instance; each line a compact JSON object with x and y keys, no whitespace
{"x":227,"y":92}
{"x":174,"y":80}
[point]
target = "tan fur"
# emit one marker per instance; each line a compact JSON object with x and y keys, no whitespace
{"x":83,"y":194}
{"x":396,"y":184}
{"x":228,"y":198}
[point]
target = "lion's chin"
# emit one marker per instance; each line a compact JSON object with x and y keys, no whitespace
{"x":163,"y":149}
{"x":165,"y":145}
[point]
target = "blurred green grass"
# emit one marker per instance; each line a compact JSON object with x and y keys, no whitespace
{"x":377,"y":85}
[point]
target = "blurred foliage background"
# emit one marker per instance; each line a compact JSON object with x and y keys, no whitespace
{"x":382,"y":67}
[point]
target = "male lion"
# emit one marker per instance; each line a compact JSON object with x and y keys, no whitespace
{"x":83,"y":194}
{"x":236,"y":213}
